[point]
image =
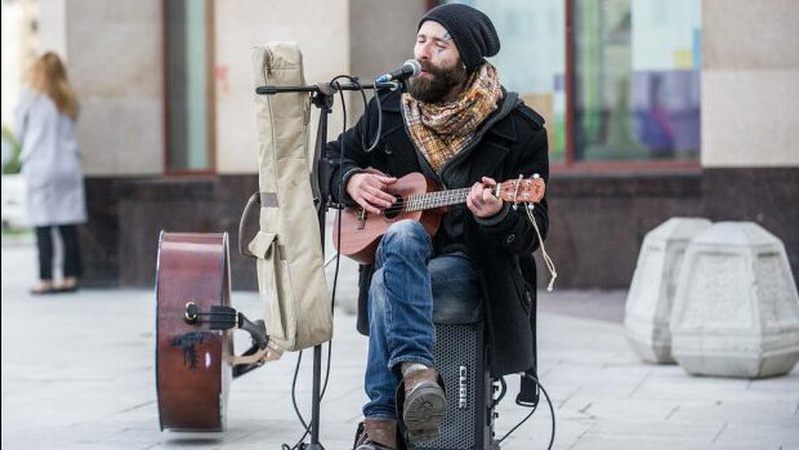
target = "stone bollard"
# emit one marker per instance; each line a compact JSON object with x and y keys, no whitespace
{"x":736,"y":309}
{"x":648,"y":308}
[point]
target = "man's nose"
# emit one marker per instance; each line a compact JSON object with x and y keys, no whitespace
{"x":423,"y":52}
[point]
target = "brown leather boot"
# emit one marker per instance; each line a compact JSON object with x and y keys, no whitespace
{"x":376,"y":434}
{"x":423,"y":404}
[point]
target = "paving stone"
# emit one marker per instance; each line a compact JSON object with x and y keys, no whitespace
{"x":77,"y":373}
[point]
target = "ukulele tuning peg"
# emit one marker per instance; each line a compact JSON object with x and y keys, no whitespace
{"x":515,"y":206}
{"x":535,"y":175}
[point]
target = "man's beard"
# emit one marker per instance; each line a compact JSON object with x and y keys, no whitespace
{"x":436,"y":88}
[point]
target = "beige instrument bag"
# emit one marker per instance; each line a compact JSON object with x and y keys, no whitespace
{"x":288,"y":247}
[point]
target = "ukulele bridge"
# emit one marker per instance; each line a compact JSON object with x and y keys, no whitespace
{"x":361,"y":219}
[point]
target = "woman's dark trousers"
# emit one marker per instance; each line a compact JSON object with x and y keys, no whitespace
{"x":44,"y":240}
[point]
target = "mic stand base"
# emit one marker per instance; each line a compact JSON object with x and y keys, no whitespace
{"x":311,"y":447}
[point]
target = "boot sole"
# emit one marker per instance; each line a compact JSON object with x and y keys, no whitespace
{"x":424,"y":411}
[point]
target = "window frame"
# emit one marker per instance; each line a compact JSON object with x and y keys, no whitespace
{"x":570,"y":165}
{"x":210,"y":95}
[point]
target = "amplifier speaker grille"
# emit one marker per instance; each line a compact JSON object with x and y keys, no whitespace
{"x":459,"y":355}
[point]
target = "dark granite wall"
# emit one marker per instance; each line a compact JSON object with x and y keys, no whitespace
{"x":597,"y":223}
{"x":766,"y":196}
{"x":126,"y":217}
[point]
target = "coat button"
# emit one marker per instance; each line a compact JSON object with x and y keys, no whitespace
{"x":510,"y":239}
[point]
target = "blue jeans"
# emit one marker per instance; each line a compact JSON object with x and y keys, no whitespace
{"x":405,"y":282}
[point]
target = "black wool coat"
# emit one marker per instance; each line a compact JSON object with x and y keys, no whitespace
{"x":510,"y":142}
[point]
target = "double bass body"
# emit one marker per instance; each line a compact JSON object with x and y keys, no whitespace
{"x":193,"y":369}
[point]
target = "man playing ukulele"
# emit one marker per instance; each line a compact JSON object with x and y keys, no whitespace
{"x":458,"y":126}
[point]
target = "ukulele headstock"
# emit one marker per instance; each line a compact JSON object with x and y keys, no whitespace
{"x":522,"y":190}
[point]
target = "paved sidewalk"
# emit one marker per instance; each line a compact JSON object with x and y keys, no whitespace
{"x":77,"y":373}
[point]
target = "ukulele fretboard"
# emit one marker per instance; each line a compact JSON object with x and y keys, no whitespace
{"x":437,"y":199}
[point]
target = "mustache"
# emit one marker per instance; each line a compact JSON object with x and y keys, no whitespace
{"x":429,"y":67}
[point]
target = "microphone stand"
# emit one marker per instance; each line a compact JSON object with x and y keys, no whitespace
{"x":322,"y":97}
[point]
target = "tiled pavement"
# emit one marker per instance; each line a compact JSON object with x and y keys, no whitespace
{"x":77,"y":373}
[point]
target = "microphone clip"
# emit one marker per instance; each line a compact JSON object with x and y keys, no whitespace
{"x":390,"y":85}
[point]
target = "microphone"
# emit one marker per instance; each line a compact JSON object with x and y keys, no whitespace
{"x":410,"y":68}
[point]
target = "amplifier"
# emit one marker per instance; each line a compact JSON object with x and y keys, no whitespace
{"x":460,"y":357}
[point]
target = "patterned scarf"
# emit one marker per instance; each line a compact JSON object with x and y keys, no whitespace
{"x":440,"y":131}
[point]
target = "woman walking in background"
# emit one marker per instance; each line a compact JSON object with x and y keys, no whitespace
{"x":51,"y":167}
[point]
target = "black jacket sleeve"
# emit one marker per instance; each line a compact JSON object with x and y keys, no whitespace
{"x":347,"y":154}
{"x":515,"y":234}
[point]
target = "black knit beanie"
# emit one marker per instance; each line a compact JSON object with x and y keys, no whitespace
{"x":471,"y":30}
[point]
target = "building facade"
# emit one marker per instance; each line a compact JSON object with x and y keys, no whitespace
{"x":654,"y":109}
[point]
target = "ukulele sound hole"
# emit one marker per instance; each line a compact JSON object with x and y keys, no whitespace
{"x":393,"y":211}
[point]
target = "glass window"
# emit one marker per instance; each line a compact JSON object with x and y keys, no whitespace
{"x":188,"y":90}
{"x":636,"y":80}
{"x":532,"y":58}
{"x":622,"y":84}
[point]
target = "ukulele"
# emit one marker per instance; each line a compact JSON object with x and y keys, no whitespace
{"x":417,"y":199}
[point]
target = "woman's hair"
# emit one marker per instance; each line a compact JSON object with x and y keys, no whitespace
{"x":49,"y":76}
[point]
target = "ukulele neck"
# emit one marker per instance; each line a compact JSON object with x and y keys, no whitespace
{"x":438,"y":199}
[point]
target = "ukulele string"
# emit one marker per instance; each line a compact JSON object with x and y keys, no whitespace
{"x":395,"y":208}
{"x":428,"y":200}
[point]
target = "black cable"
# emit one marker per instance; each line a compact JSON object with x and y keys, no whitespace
{"x":379,"y":123}
{"x":551,"y":412}
{"x":504,"y":389}
{"x":515,"y":427}
{"x":296,"y":408}
{"x":306,"y":426}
